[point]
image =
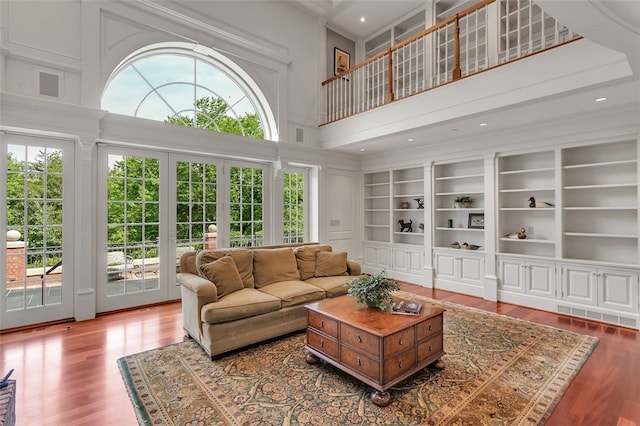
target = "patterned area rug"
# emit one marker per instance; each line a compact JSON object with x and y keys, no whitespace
{"x":498,"y":371}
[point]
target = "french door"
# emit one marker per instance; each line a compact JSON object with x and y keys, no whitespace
{"x":37,"y":190}
{"x":154,"y":207}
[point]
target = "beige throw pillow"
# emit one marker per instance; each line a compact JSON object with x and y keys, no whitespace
{"x":224,"y":274}
{"x":306,"y":258}
{"x":273,"y":265}
{"x":242,"y":257}
{"x":330,"y":264}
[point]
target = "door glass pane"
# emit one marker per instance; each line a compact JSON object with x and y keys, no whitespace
{"x":246,"y":200}
{"x":293,"y":207}
{"x":133,"y":225}
{"x":34,"y":227}
{"x":196,"y":216}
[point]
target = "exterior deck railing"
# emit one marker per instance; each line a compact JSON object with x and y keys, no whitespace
{"x":486,"y":35}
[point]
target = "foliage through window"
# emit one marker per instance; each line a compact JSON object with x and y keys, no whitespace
{"x":294,"y":207}
{"x":185,"y":88}
{"x":246,"y":202}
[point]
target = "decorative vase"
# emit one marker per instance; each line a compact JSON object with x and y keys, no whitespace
{"x":404,"y":205}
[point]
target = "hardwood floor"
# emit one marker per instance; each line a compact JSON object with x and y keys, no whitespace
{"x":67,"y":374}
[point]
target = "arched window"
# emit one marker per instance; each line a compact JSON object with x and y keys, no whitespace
{"x":189,"y":85}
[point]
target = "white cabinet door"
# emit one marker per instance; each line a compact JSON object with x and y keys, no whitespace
{"x":534,"y":278}
{"x":406,"y":260}
{"x":579,"y":284}
{"x":471,"y":269}
{"x":446,"y":266}
{"x":618,"y":289}
{"x":376,"y":256}
{"x":511,"y":275}
{"x":541,"y":279}
{"x":466,"y":269}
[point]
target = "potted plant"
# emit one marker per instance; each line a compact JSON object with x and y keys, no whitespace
{"x":373,"y":290}
{"x":463,"y":201}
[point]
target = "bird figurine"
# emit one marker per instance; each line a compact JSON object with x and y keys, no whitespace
{"x":467,"y":246}
{"x":517,"y":235}
{"x":539,"y":204}
{"x":455,"y":245}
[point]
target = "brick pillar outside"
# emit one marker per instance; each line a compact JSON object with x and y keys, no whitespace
{"x":15,"y":267}
{"x":211,"y":238}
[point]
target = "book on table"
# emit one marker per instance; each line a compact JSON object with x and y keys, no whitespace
{"x":406,"y":307}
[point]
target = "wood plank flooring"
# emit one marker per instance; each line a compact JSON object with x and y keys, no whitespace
{"x":67,"y":373}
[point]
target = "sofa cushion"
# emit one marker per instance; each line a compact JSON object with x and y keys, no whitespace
{"x":224,"y":274}
{"x":333,"y":286}
{"x":242,"y":257}
{"x":244,"y":303}
{"x":294,"y":292}
{"x":273,"y":265}
{"x":306,"y":259}
{"x":331,"y":264}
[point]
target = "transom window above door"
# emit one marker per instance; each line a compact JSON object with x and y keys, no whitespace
{"x":189,"y":85}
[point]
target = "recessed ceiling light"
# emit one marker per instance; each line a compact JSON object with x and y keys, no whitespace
{"x":362,"y":19}
{"x":410,"y":140}
{"x":483,"y":124}
{"x":362,"y":150}
{"x":601,"y":99}
{"x":454,"y":130}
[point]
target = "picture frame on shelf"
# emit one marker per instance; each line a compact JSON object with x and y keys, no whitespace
{"x":341,"y":61}
{"x":476,"y":221}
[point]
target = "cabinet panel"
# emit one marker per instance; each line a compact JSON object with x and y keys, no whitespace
{"x":619,"y":290}
{"x":579,"y":285}
{"x":511,"y":277}
{"x":407,"y":260}
{"x":541,"y":279}
{"x":445,"y":266}
{"x":376,"y":256}
{"x":471,"y":269}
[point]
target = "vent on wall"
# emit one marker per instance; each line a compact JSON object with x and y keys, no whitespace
{"x":299,"y":135}
{"x":584,"y":313}
{"x":49,"y":84}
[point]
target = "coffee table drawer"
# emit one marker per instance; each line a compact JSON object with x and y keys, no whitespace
{"x":359,"y":339}
{"x":430,"y":347}
{"x":322,"y":343}
{"x":429,"y":327}
{"x":399,"y":341}
{"x":322,"y":323}
{"x":399,"y":363}
{"x":360,"y":363}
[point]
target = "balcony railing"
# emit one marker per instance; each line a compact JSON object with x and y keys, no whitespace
{"x":486,"y":35}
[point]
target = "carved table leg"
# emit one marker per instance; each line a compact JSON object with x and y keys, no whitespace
{"x":311,"y":358}
{"x":439,"y":364}
{"x":381,"y":399}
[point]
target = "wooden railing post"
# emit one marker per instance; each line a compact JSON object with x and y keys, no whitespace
{"x":457,"y":71}
{"x":390,"y":93}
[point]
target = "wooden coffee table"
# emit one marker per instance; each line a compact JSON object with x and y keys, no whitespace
{"x":377,"y":348}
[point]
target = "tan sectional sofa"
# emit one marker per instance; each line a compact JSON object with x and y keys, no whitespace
{"x":235,"y":297}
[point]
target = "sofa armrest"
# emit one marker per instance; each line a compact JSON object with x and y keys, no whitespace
{"x":353,"y":268}
{"x":204,"y":289}
{"x":196,"y":292}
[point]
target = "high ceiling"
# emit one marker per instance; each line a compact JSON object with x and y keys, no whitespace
{"x":343,"y":16}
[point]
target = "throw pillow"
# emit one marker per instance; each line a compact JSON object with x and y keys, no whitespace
{"x":330,"y":264}
{"x":224,"y":274}
{"x":242,"y":257}
{"x":306,"y":258}
{"x":273,"y":265}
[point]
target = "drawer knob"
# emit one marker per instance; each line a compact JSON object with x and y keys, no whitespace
{"x":322,"y":344}
{"x":400,"y":363}
{"x":430,"y":348}
{"x":358,"y":361}
{"x":359,"y":338}
{"x":322,"y":323}
{"x":401,"y":342}
{"x":429,"y":327}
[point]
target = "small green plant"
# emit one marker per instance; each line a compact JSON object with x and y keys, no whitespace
{"x":463,"y":199}
{"x":373,"y":290}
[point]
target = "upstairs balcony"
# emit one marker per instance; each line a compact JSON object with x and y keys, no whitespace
{"x":485,"y":36}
